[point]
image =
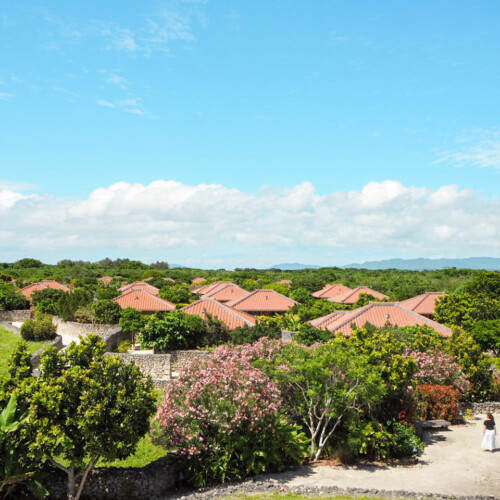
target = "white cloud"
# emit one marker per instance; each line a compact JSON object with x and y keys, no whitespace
{"x":480,"y":148}
{"x":382,"y":218}
{"x":5,"y":96}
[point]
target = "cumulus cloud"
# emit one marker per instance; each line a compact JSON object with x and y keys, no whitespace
{"x":381,"y":217}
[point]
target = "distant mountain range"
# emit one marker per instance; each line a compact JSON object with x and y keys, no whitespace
{"x":295,"y":266}
{"x":487,"y":263}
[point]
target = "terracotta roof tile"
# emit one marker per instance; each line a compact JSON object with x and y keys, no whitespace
{"x":54,"y":285}
{"x":229,"y":316}
{"x":29,"y":290}
{"x":217,"y":285}
{"x":324,"y":321}
{"x":140,"y":299}
{"x":263,"y":301}
{"x":226,"y":293}
{"x":423,"y":304}
{"x":198,"y":280}
{"x":284,"y":282}
{"x":379,"y":314}
{"x":330,"y":290}
{"x":352,"y":296}
{"x":140,"y":284}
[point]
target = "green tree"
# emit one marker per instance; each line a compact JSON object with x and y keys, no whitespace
{"x":106,"y":311}
{"x":328,"y":385}
{"x":175,"y":330}
{"x":86,"y":406}
{"x":10,"y":298}
{"x":487,"y":335}
{"x":178,"y":294}
{"x":132,"y":321}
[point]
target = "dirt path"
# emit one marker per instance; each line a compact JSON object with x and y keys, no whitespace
{"x":452,"y":464}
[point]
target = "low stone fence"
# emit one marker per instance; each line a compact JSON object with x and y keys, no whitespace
{"x":163,"y":367}
{"x":35,"y":357}
{"x":69,"y":330}
{"x":483,"y":408}
{"x":158,"y":366}
{"x":15,"y":316}
{"x":155,"y":480}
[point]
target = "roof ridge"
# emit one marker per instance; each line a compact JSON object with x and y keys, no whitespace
{"x":158,"y":298}
{"x":427,"y":320}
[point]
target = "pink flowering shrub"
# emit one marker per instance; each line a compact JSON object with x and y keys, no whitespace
{"x":438,"y":368}
{"x":223,"y":417}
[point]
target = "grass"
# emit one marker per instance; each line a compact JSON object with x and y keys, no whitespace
{"x":8,"y":343}
{"x":146,"y":453}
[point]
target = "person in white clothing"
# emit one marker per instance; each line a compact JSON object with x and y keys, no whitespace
{"x":489,"y":433}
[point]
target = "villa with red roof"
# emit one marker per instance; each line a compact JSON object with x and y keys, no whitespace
{"x":29,"y":290}
{"x":230,"y":317}
{"x":226,"y":293}
{"x":378,"y":314}
{"x":142,"y":300}
{"x":330,"y":291}
{"x":217,"y":285}
{"x":423,"y":304}
{"x":284,"y":282}
{"x":263,"y":303}
{"x":142,"y":285}
{"x":352,"y":296}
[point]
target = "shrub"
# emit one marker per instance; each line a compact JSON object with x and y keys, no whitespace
{"x":44,"y":329}
{"x":248,"y":334}
{"x":176,"y":293}
{"x":438,"y":368}
{"x":10,"y":298}
{"x":124,"y":346}
{"x":27,"y":329}
{"x":438,"y":402}
{"x":175,"y":330}
{"x":309,"y":335}
{"x":223,"y":418}
{"x":106,"y":311}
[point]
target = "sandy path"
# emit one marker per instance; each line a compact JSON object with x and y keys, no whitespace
{"x":452,"y":464}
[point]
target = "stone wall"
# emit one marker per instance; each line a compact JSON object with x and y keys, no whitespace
{"x":163,"y":367}
{"x":182,"y":359}
{"x":71,"y":330}
{"x":16,"y":315}
{"x":483,"y":408}
{"x":155,"y":365}
{"x":155,"y":480}
{"x":35,"y":357}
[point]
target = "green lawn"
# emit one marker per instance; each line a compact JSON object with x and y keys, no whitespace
{"x":8,"y":342}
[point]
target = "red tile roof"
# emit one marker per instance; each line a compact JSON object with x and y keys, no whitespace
{"x":54,"y":285}
{"x":142,"y":300}
{"x":226,"y":293}
{"x":169,"y":279}
{"x":229,"y":316}
{"x":140,"y":284}
{"x":29,"y":290}
{"x":263,"y":301}
{"x":352,"y":296}
{"x":105,"y":279}
{"x":423,"y":304}
{"x":323,"y":322}
{"x":198,"y":280}
{"x":330,"y":290}
{"x":284,"y":282}
{"x":379,"y":314}
{"x":217,"y":285}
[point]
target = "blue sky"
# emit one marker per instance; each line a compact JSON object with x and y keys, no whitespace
{"x":282,"y":106}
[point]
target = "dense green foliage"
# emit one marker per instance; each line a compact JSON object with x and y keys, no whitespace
{"x":83,"y":407}
{"x":11,"y":298}
{"x":38,"y":329}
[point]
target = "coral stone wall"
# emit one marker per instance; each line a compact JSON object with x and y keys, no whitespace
{"x":155,"y":365}
{"x":163,"y":367}
{"x":74,"y":329}
{"x":153,"y":481}
{"x":14,"y":316}
{"x":487,"y":407}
